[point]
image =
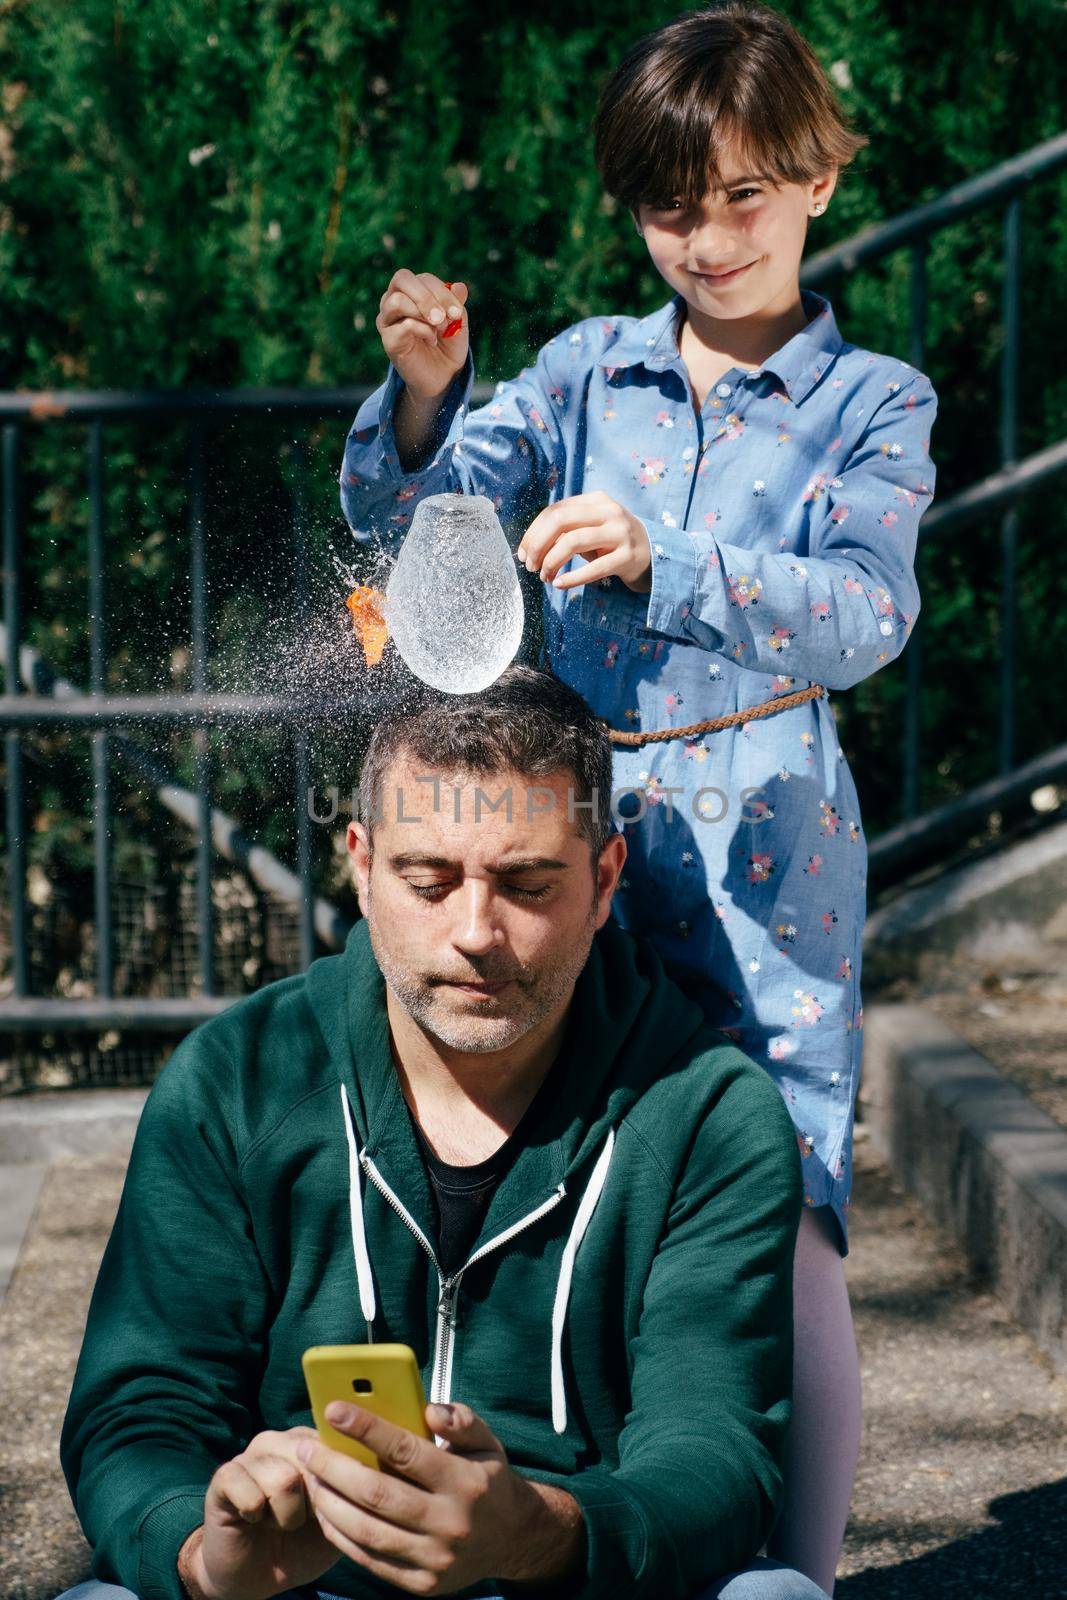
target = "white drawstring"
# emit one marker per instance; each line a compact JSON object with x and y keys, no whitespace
{"x":359,"y":1236}
{"x":581,"y":1221}
{"x":566,"y":1272}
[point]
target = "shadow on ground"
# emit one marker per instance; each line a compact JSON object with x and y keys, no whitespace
{"x":1024,"y":1555}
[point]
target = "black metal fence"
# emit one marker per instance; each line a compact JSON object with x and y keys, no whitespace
{"x":1002,"y":187}
{"x":34,"y":701}
{"x":31,"y":702}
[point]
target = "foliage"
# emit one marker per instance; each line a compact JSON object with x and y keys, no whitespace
{"x":216,"y":193}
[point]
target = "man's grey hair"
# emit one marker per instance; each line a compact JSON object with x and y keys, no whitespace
{"x":527,"y":722}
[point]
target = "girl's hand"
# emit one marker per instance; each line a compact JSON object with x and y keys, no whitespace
{"x":415,"y":312}
{"x":613,"y":541}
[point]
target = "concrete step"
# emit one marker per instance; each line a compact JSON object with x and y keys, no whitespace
{"x":1008,"y":902}
{"x":965,"y":1066}
{"x":987,"y":1165}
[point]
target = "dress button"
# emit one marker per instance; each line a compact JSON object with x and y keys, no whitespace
{"x":886,"y":626}
{"x":722,"y":389}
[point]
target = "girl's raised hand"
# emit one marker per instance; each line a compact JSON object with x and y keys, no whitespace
{"x":417,"y":321}
{"x":613,"y":541}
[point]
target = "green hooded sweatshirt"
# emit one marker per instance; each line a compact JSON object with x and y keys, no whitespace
{"x":623,"y":1322}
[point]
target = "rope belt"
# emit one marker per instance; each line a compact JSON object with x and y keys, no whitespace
{"x":766,"y":708}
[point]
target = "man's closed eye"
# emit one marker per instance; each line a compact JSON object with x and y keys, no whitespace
{"x":437,"y":891}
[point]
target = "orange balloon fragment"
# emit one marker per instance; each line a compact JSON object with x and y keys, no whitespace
{"x":368,"y":623}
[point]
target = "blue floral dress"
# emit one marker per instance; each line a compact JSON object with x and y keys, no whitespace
{"x":782,"y":520}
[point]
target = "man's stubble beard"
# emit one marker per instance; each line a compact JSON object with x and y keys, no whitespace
{"x":537,"y":995}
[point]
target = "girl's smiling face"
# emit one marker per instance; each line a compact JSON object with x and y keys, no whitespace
{"x":736,"y":253}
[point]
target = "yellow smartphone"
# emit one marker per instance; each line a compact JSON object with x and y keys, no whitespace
{"x":383,"y":1378}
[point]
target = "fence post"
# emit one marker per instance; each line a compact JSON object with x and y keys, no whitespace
{"x":16,"y":809}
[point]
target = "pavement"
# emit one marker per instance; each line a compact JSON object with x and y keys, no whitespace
{"x":962,"y":1481}
{"x":961,"y":1488}
{"x":35,"y":1129}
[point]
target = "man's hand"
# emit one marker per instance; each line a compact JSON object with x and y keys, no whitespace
{"x":257,"y":1537}
{"x":436,"y":1519}
{"x":613,"y":541}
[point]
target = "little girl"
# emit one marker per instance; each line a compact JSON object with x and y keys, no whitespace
{"x":722,"y":500}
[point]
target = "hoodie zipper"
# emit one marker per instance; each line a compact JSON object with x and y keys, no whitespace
{"x":441,"y":1381}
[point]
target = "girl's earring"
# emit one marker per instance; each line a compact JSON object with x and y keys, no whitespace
{"x":819,"y":208}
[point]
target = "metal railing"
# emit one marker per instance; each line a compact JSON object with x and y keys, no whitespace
{"x":102,"y":715}
{"x":1004,"y":186}
{"x":24,"y":705}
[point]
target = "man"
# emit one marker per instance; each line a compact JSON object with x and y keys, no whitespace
{"x":491,"y":1129}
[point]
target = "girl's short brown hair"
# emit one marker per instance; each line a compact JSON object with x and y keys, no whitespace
{"x":738,"y":71}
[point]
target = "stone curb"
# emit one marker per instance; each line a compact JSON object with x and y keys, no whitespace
{"x":1012,"y":900}
{"x":988,"y":1165}
{"x":76,"y":1122}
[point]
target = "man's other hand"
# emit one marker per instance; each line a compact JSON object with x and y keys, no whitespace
{"x":257,"y":1537}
